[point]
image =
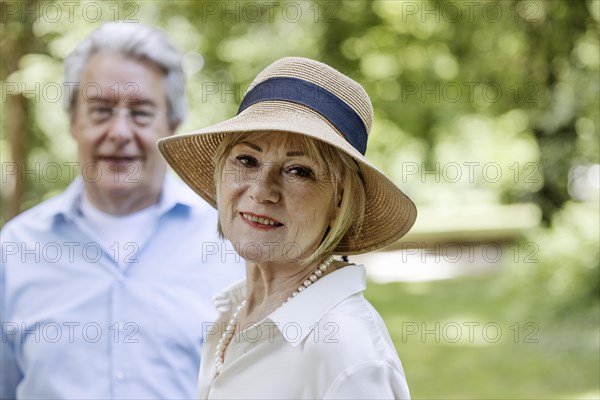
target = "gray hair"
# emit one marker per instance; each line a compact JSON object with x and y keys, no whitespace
{"x":137,"y":41}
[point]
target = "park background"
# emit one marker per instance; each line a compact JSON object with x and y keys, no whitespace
{"x":486,"y":114}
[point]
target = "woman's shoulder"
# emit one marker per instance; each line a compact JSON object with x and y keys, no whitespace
{"x":353,"y":329}
{"x":356,"y":315}
{"x":352,"y":346}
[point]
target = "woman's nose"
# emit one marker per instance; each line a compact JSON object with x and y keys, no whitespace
{"x":265,"y":186}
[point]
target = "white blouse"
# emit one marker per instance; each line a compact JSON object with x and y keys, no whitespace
{"x":327,"y":343}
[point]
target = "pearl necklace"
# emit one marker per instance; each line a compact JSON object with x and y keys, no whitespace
{"x":231,"y":325}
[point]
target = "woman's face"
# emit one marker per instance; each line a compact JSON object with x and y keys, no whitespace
{"x":275,"y":202}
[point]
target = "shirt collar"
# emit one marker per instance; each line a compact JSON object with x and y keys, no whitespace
{"x":317,"y":300}
{"x":307,"y":308}
{"x":232,"y":294}
{"x":65,"y":206}
{"x":174,"y":193}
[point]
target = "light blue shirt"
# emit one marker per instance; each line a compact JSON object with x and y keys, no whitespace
{"x":76,"y":325}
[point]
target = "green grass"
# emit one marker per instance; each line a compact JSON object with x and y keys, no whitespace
{"x":505,"y":349}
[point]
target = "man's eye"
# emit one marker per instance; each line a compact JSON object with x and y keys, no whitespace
{"x":141,"y":114}
{"x":247,"y":161}
{"x":142,"y":117}
{"x":101,"y":110}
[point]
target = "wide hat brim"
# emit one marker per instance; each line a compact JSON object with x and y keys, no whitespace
{"x":389,"y":213}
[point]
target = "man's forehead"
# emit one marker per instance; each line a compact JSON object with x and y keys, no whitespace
{"x":116,"y":57}
{"x":115,"y":77}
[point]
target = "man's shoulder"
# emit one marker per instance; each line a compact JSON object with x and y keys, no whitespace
{"x":37,"y":218}
{"x":182,"y":194}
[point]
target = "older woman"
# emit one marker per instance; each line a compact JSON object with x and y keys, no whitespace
{"x":293,"y":188}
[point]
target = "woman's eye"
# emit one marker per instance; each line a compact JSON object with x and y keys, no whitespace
{"x":303,"y":172}
{"x":247,"y":161}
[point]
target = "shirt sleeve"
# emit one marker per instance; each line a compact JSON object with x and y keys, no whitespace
{"x":372,"y":380}
{"x":10,"y":373}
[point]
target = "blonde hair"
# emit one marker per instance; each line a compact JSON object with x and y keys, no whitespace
{"x":344,"y":176}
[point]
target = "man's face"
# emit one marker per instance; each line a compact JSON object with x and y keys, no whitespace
{"x":121,"y":111}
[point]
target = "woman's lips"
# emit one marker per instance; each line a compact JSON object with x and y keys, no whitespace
{"x":260,"y":220}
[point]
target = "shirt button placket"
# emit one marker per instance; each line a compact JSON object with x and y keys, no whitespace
{"x":117,"y":357}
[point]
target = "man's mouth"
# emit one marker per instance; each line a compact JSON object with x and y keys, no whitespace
{"x":118,"y":161}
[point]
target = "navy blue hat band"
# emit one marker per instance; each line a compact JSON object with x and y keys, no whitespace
{"x":295,"y":90}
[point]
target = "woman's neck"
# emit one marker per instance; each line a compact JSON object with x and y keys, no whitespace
{"x":270,"y":285}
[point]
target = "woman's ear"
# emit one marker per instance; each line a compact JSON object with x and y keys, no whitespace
{"x":336,"y":208}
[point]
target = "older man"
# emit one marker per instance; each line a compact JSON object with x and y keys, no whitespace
{"x":105,"y":287}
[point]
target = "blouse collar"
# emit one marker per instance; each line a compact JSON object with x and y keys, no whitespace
{"x":309,"y":307}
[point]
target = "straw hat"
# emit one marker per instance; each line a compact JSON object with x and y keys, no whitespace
{"x":305,"y":97}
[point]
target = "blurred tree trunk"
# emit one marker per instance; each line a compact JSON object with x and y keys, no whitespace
{"x":17,"y":34}
{"x":16,"y":132}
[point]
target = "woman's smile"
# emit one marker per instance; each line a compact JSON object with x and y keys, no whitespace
{"x":259,"y":221}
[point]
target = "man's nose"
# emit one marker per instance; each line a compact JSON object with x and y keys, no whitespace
{"x":120,"y":130}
